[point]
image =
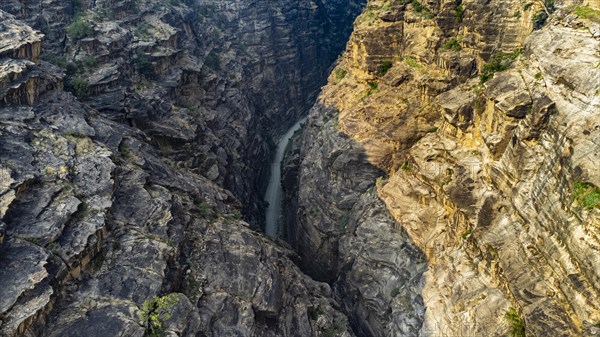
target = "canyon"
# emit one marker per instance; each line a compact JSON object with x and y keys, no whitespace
{"x":444,"y":183}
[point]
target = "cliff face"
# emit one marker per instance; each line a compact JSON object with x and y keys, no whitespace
{"x":484,"y":133}
{"x":121,"y":196}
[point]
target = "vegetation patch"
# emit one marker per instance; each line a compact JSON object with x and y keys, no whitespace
{"x":589,"y":13}
{"x":205,"y":210}
{"x":57,"y":60}
{"x":385,"y":67}
{"x":372,"y":88}
{"x":80,"y":28}
{"x":315,"y":313}
{"x":380,"y":182}
{"x":498,"y":62}
{"x":587,"y":195}
{"x":79,"y":87}
{"x":459,"y":12}
{"x":453,"y":44}
{"x":412,"y":62}
{"x":154,"y":313}
{"x":517,"y":326}
{"x":339,"y":74}
{"x":333,"y":330}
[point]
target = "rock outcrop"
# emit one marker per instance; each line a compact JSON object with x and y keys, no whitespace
{"x":485,"y":176}
{"x":122,"y":196}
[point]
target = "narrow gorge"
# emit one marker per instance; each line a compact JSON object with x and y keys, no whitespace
{"x":444,"y":179}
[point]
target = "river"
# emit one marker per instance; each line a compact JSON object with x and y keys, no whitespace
{"x":273,"y":227}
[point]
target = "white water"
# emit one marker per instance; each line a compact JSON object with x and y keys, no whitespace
{"x":274,"y":191}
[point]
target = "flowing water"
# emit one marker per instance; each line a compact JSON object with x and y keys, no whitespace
{"x":274,"y":191}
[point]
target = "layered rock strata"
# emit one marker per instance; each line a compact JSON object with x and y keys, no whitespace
{"x":121,"y":198}
{"x":480,"y":169}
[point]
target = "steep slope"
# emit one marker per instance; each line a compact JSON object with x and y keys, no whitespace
{"x":492,"y":180}
{"x":121,"y":199}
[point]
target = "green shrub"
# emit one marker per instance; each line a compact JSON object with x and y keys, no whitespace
{"x":384,"y":67}
{"x":80,"y":28}
{"x":498,"y":62}
{"x":589,"y":13}
{"x":587,"y":195}
{"x":88,"y":61}
{"x":315,"y":313}
{"x":406,"y":167}
{"x":517,"y":326}
{"x":550,"y":6}
{"x":459,"y":12}
{"x":57,"y":60}
{"x":236,"y":214}
{"x":453,"y":44}
{"x":380,"y":182}
{"x":395,"y":292}
{"x":79,"y":87}
{"x":339,"y":74}
{"x":417,"y":6}
{"x":412,"y":62}
{"x":205,"y":210}
{"x":466,"y":234}
{"x":333,"y":330}
{"x":372,"y":88}
{"x":154,"y":312}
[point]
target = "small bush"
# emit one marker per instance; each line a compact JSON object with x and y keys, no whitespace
{"x":517,"y":326}
{"x":80,"y":28}
{"x":205,"y":210}
{"x":317,"y":312}
{"x":236,"y":214}
{"x":380,"y":182}
{"x":339,"y":74}
{"x":417,"y":6}
{"x":453,"y":44}
{"x":79,"y":87}
{"x":498,"y":62}
{"x":412,"y":62}
{"x":89,"y":62}
{"x":372,"y":88}
{"x":587,"y":195}
{"x":395,"y":292}
{"x":550,"y":6}
{"x":154,"y":312}
{"x":406,"y":167}
{"x":57,"y":60}
{"x":459,"y":13}
{"x":384,"y":67}
{"x":589,"y":13}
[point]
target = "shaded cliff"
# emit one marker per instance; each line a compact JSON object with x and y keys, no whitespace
{"x":122,"y":196}
{"x":480,"y":120}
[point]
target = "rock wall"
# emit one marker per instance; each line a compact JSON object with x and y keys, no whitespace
{"x":122,"y":196}
{"x":489,"y":235}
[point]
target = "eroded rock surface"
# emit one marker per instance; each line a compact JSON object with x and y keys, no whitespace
{"x":479,"y":174}
{"x":121,"y":196}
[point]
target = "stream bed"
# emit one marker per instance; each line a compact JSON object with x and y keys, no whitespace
{"x":274,"y":219}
